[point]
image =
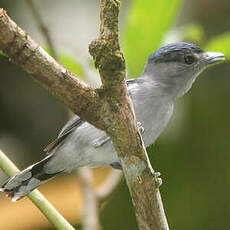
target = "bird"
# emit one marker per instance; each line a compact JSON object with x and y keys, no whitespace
{"x":168,"y":74}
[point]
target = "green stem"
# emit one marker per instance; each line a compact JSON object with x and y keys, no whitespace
{"x":37,"y":198}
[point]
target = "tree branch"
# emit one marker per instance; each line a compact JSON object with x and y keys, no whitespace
{"x":90,"y":219}
{"x":93,"y":197}
{"x":123,"y":130}
{"x":21,"y":49}
{"x":36,"y":197}
{"x":109,"y":184}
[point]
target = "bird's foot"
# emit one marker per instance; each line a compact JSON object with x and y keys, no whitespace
{"x":157,"y":179}
{"x":140,"y":127}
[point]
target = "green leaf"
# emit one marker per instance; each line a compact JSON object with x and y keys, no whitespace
{"x":2,"y":54}
{"x":147,"y":23}
{"x":220,"y":43}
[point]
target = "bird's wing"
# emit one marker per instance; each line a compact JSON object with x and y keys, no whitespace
{"x":132,"y":81}
{"x":133,"y":85}
{"x":71,"y":125}
{"x":76,"y":121}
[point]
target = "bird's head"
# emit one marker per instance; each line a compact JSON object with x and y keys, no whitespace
{"x":174,"y":67}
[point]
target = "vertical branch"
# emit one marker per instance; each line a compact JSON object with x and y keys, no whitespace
{"x":123,"y":130}
{"x":92,"y":196}
{"x":90,"y":218}
{"x":109,"y":184}
{"x":44,"y":29}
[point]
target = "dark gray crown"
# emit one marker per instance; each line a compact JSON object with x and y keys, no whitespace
{"x":174,"y":52}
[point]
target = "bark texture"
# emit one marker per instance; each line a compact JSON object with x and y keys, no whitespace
{"x":22,"y":50}
{"x":108,"y":108}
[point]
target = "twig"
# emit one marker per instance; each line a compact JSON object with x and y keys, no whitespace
{"x":90,"y":220}
{"x":109,"y":184}
{"x":36,"y":197}
{"x":92,"y":196}
{"x":44,"y":29}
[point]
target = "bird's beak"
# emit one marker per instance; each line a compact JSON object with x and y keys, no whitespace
{"x":213,"y":57}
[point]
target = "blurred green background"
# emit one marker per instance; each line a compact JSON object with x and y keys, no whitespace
{"x":193,"y":153}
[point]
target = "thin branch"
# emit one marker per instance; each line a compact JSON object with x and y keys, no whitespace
{"x":90,"y":220}
{"x":36,"y":197}
{"x":109,"y":184}
{"x":92,"y":196}
{"x":43,"y":27}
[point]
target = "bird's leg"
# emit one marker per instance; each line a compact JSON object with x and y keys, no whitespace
{"x":158,"y":179}
{"x":140,"y":127}
{"x":156,"y":175}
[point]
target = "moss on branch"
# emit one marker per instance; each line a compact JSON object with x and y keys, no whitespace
{"x":106,"y":50}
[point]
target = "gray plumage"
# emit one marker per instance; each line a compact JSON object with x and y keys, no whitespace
{"x":168,"y":74}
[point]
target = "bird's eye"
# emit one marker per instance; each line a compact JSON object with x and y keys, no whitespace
{"x":189,"y":59}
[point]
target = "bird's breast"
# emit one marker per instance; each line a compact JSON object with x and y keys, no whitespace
{"x":154,"y":117}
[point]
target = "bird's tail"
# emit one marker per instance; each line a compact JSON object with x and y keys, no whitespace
{"x":27,"y":180}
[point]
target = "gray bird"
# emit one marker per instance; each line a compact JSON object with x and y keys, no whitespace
{"x":169,"y":74}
